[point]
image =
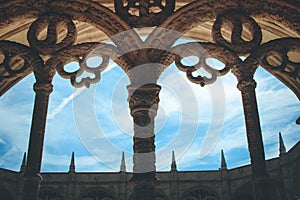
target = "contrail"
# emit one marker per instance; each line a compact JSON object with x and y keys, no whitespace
{"x":64,"y":102}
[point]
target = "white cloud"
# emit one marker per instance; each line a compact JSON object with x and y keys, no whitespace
{"x":12,"y":158}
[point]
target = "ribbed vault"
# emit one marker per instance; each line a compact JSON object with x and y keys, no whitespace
{"x":96,"y":22}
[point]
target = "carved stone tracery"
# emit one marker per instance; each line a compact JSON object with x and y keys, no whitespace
{"x":200,"y":193}
{"x":143,"y":13}
{"x":204,"y":51}
{"x":236,"y":19}
{"x":17,"y":62}
{"x":53,"y":23}
{"x":275,"y":57}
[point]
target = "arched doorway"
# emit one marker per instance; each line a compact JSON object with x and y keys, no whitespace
{"x":200,"y":193}
{"x":96,"y":194}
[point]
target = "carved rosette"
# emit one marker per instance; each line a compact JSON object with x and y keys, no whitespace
{"x":144,"y":13}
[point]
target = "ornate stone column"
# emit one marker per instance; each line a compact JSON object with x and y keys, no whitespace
{"x":143,"y":103}
{"x":247,"y":85}
{"x":42,"y":88}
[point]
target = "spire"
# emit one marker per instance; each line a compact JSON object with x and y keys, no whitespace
{"x":223,"y":161}
{"x":282,"y":149}
{"x":22,"y":168}
{"x":123,"y":165}
{"x":173,"y":165}
{"x":72,"y":163}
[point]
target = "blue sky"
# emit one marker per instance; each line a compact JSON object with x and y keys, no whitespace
{"x":195,"y":122}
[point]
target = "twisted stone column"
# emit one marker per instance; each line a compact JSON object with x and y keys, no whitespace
{"x":32,"y":177}
{"x":143,"y":103}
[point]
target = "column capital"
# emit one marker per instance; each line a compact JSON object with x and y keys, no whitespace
{"x":43,"y":75}
{"x":43,"y":87}
{"x":243,"y":84}
{"x":143,"y":102}
{"x":245,"y":72}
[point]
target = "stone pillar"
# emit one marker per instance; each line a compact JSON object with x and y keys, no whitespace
{"x":247,"y":85}
{"x":143,"y":103}
{"x":43,"y":89}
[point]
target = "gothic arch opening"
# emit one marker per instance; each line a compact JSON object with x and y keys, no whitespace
{"x":96,"y":194}
{"x":200,"y":193}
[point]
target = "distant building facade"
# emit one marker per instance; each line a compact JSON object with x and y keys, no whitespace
{"x":221,"y":184}
{"x":41,"y":37}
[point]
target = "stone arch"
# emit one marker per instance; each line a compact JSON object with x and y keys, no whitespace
{"x":97,"y":17}
{"x":50,"y":193}
{"x":205,"y":11}
{"x":5,"y":193}
{"x":245,"y":191}
{"x":200,"y":192}
{"x":96,"y":193}
{"x":160,"y":195}
{"x":100,"y":17}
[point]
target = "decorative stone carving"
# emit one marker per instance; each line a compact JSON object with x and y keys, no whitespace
{"x":16,"y":62}
{"x":200,"y":194}
{"x":143,"y":103}
{"x":279,"y":57}
{"x":51,"y":43}
{"x":143,"y":13}
{"x":204,"y":51}
{"x":81,"y":53}
{"x":237,"y":20}
{"x":96,"y":193}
